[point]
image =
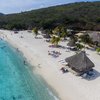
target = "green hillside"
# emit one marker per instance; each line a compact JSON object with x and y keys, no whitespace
{"x":83,"y":15}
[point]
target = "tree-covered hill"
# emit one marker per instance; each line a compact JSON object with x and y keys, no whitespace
{"x":1,"y":14}
{"x":83,"y":15}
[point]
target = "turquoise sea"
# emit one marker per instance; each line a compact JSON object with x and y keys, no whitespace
{"x":17,"y":81}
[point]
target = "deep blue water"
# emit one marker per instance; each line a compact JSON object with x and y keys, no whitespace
{"x":17,"y":81}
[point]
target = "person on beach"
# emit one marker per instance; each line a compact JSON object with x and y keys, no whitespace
{"x":17,"y":49}
{"x":24,"y":62}
{"x":14,"y":98}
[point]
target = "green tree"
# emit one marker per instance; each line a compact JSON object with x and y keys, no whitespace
{"x":49,"y":31}
{"x":35,"y":31}
{"x":86,"y":39}
{"x":55,"y":40}
{"x":57,"y":31}
{"x":64,"y":33}
{"x":98,"y":50}
{"x":79,"y":46}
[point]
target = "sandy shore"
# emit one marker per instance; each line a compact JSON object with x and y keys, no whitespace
{"x":68,"y":86}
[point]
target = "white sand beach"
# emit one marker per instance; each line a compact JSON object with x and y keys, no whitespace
{"x":67,"y":85}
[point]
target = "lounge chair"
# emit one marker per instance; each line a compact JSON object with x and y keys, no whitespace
{"x":64,"y":70}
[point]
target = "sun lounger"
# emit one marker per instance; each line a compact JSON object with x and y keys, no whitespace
{"x":64,"y":69}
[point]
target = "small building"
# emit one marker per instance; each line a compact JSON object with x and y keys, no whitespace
{"x":79,"y":63}
{"x":72,"y":45}
{"x":95,"y":35}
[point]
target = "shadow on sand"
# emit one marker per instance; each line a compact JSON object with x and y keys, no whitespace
{"x":38,"y":37}
{"x":94,"y":76}
{"x":58,"y":46}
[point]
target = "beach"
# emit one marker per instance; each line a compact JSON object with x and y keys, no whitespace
{"x":68,"y":86}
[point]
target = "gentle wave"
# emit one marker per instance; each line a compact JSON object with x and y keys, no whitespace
{"x":51,"y":93}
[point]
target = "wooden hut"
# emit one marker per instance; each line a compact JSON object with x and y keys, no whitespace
{"x":95,"y":35}
{"x":80,"y":63}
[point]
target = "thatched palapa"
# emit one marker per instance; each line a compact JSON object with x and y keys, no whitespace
{"x":71,"y":43}
{"x":80,"y":63}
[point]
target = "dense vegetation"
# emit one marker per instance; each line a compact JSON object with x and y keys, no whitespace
{"x":79,"y":16}
{"x":1,"y":14}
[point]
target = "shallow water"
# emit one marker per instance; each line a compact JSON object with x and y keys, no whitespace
{"x":17,"y":81}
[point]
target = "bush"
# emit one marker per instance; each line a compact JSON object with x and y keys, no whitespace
{"x":98,"y":50}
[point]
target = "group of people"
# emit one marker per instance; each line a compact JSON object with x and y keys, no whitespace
{"x":54,"y":53}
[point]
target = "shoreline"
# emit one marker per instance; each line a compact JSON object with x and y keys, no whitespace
{"x":27,"y":81}
{"x":37,"y":66}
{"x":36,"y":53}
{"x":50,"y":90}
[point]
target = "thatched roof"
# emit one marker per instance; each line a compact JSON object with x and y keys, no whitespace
{"x":71,"y":43}
{"x":95,"y":35}
{"x":80,"y":62}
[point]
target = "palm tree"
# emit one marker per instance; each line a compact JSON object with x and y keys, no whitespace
{"x":64,"y":33}
{"x":79,"y":46}
{"x":98,"y":50}
{"x":55,"y":40}
{"x":86,"y":39}
{"x":57,"y":31}
{"x":49,"y":31}
{"x":35,"y":31}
